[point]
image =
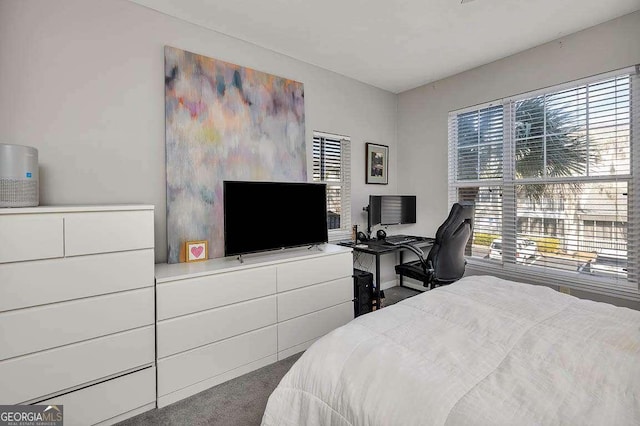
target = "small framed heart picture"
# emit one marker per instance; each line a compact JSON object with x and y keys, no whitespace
{"x":196,"y":251}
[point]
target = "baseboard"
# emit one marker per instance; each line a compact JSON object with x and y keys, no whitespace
{"x":407,"y":282}
{"x":413,"y":284}
{"x":388,"y":284}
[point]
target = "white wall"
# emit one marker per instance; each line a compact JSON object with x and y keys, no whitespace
{"x":422,"y":112}
{"x":83,"y":81}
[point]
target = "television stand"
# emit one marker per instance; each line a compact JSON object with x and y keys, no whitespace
{"x":274,"y":305}
{"x":317,"y":246}
{"x":240,"y":259}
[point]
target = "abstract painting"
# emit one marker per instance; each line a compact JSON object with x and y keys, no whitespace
{"x":224,"y":122}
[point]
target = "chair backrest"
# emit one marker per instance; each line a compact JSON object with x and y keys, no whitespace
{"x":447,"y":254}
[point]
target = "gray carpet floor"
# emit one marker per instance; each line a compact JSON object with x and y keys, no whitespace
{"x":238,"y":402}
{"x":395,"y":294}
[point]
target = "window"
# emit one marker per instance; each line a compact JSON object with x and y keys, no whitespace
{"x":554,"y":170}
{"x":332,"y":166}
{"x":600,"y":234}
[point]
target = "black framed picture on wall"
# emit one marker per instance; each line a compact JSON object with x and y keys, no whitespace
{"x":377,"y":164}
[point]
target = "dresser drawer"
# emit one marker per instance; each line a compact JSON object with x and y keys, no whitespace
{"x":106,"y":400}
{"x":34,"y":329}
{"x":194,"y":366}
{"x":28,"y":237}
{"x":298,"y":274}
{"x":26,"y":284}
{"x":104,"y":232}
{"x":190,"y":331}
{"x":198,"y":294}
{"x":314,"y":325}
{"x":43,"y":373}
{"x":313,"y":298}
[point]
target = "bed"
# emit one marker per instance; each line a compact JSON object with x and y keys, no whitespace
{"x":482,"y":351}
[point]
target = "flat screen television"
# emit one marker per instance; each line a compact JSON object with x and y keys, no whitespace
{"x":261,"y":216}
{"x":392,"y":209}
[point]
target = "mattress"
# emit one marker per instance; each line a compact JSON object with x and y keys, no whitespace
{"x":481,"y":351}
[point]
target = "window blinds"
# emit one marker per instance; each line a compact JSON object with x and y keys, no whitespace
{"x":332,"y":166}
{"x":552,"y":176}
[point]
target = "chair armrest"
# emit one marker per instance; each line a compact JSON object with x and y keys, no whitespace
{"x":418,"y":252}
{"x":414,"y":249}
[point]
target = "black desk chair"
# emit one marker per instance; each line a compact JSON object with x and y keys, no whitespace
{"x":445,"y":262}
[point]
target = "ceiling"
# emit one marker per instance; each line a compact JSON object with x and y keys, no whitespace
{"x":396,"y":45}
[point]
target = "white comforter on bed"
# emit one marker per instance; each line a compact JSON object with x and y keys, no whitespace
{"x":482,"y":351}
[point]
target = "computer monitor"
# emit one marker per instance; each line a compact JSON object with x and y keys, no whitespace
{"x":391,"y":210}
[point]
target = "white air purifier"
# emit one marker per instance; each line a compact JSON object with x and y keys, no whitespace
{"x":19,"y":186}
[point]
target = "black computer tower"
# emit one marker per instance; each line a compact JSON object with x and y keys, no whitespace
{"x":362,"y":292}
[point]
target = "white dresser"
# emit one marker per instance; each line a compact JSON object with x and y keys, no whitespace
{"x":219,"y":319}
{"x":77,"y":310}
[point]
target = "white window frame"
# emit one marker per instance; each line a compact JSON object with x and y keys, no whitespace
{"x":344,"y":232}
{"x":539,"y":274}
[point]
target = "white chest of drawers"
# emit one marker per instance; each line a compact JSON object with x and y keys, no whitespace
{"x":77,"y":310}
{"x":220,"y":319}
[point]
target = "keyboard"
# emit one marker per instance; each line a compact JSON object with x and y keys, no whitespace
{"x":400,"y":239}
